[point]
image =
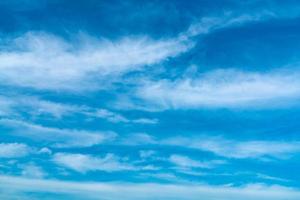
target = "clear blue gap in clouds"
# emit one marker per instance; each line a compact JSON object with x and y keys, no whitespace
{"x":149,"y":100}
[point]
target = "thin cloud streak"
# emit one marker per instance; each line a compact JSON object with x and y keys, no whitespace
{"x":54,"y":136}
{"x":248,"y":149}
{"x":224,"y":89}
{"x":15,"y":186}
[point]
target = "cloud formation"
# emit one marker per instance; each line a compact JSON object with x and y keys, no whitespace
{"x":54,"y":136}
{"x":49,"y":62}
{"x":256,"y":149}
{"x":84,"y":163}
{"x":186,"y":162}
{"x":14,"y":150}
{"x":228,"y":148}
{"x":224,"y":89}
{"x":16,"y":187}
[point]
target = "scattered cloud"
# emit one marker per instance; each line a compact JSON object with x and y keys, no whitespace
{"x":132,"y":68}
{"x":54,"y":136}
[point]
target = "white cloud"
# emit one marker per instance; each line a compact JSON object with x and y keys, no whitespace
{"x":257,"y":149}
{"x":115,"y":117}
{"x":186,"y":162}
{"x":272,"y":178}
{"x":45,"y":150}
{"x":33,"y":171}
{"x":49,"y":62}
{"x":14,"y":150}
{"x":147,"y":153}
{"x":224,"y":88}
{"x":145,"y":121}
{"x":239,"y":149}
{"x":13,"y":106}
{"x":56,"y":137}
{"x":16,"y":186}
{"x":209,"y":24}
{"x":83,"y":163}
{"x":138,"y":139}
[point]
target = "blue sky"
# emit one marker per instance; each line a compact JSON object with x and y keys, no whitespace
{"x":142,"y":100}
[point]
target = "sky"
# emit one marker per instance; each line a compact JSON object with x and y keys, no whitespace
{"x":144,"y":100}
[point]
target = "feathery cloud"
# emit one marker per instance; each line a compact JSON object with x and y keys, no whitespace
{"x":15,"y":186}
{"x":224,"y":89}
{"x":54,"y":136}
{"x":83,"y":163}
{"x":49,"y":62}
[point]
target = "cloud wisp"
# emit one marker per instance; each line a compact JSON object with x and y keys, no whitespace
{"x":84,"y":163}
{"x":54,"y":136}
{"x":224,"y":89}
{"x":255,"y":149}
{"x":14,"y":150}
{"x":21,"y":187}
{"x":227,"y":148}
{"x":13,"y":106}
{"x":185,"y":162}
{"x":49,"y":62}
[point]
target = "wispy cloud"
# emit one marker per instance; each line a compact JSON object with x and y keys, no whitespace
{"x":32,"y":170}
{"x":15,"y":186}
{"x":239,"y":149}
{"x":49,"y":62}
{"x":224,"y":89}
{"x":54,"y":136}
{"x":14,"y":150}
{"x":186,"y":162}
{"x":209,"y":24}
{"x":84,"y":163}
{"x":228,"y":148}
{"x":14,"y":106}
